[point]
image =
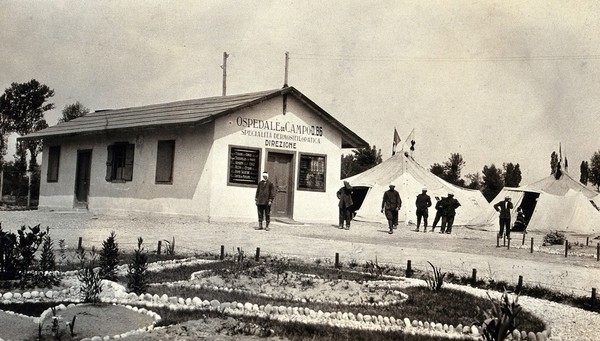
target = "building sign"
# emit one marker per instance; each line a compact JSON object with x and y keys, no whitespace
{"x":279,"y":134}
{"x":244,"y":166}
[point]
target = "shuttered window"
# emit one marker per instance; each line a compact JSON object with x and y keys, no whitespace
{"x":53,"y":162}
{"x":119,"y":162}
{"x":164,"y":162}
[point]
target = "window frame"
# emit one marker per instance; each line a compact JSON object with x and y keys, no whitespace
{"x":257,"y":162}
{"x":299,"y":181}
{"x":126,"y":151}
{"x":52,"y":172}
{"x":171,"y":144}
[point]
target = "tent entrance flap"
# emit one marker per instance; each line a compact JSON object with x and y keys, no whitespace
{"x":528,"y":204}
{"x":359,"y":194}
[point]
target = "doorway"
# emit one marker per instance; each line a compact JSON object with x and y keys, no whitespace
{"x":281,"y":174}
{"x":82,"y":178}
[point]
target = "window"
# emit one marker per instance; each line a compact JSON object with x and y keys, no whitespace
{"x":244,"y":166}
{"x":164,"y":162}
{"x":53,"y":162}
{"x":311,"y":176}
{"x":119,"y":163}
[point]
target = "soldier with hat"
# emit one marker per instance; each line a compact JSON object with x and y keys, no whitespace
{"x":423,"y":202}
{"x":391,"y":205}
{"x":449,"y":213}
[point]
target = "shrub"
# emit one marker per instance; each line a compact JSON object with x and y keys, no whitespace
{"x":137,"y":273}
{"x":170,"y":247}
{"x":554,"y":238}
{"x":375,"y":270}
{"x":90,"y":280}
{"x":109,"y":257}
{"x":8,"y":261}
{"x":47,"y":258}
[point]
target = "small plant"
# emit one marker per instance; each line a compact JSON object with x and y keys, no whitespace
{"x":375,"y":270}
{"x":109,"y":257}
{"x":56,"y":331}
{"x":137,"y":273}
{"x":62,"y":252}
{"x":71,"y":325}
{"x":436,"y":282}
{"x":170,"y":247}
{"x":353,"y":263}
{"x":47,"y":258}
{"x":240,"y":256}
{"x":501,"y":319}
{"x":318,"y":261}
{"x":91,"y":282}
{"x":554,"y":238}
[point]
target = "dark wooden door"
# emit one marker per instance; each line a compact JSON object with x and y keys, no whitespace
{"x":82,"y":177}
{"x":280,"y":171}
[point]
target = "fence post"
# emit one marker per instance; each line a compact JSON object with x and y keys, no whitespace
{"x":337,"y":260}
{"x":257,"y":254}
{"x":523,"y":243}
{"x":593,"y":298}
{"x":587,"y":241}
{"x":531,"y":244}
{"x":598,"y":252}
{"x":520,"y":284}
{"x":158,"y":247}
{"x":79,"y":243}
{"x":222,"y":252}
{"x":409,"y":270}
{"x":474,"y":277}
{"x":566,"y":247}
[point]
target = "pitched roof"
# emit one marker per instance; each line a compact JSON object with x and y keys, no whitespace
{"x":190,"y":112}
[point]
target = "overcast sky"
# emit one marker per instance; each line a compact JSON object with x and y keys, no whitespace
{"x":494,"y":81}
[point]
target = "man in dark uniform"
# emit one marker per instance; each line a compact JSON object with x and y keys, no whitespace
{"x":504,"y":208}
{"x":423,"y":202}
{"x":265,"y":193}
{"x":345,"y":205}
{"x":391,"y":205}
{"x":449,"y":213}
{"x":439,"y":209}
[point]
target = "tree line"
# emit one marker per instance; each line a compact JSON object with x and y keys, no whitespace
{"x":22,"y":109}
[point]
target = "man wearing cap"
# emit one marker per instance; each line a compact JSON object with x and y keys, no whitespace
{"x":265,"y":193}
{"x":391,"y":204}
{"x":449,"y":213}
{"x":439,"y":210}
{"x":504,"y":208}
{"x":422,"y":203}
{"x":345,"y":203}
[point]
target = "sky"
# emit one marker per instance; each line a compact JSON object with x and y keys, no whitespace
{"x":496,"y":81}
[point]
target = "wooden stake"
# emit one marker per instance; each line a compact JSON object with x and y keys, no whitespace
{"x":222,"y":252}
{"x":409,"y":270}
{"x":79,"y":243}
{"x":158,"y":247}
{"x":593,"y":298}
{"x":523,"y":243}
{"x":474,"y":277}
{"x":337,"y":260}
{"x":257,"y":257}
{"x":531,"y":244}
{"x":566,"y":247}
{"x":520,"y":284}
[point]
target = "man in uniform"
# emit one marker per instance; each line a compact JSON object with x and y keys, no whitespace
{"x":449,"y":213}
{"x":391,"y":205}
{"x":265,"y":193}
{"x":504,"y":208}
{"x":423,"y":202}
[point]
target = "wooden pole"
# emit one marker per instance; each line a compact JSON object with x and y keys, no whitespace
{"x":523,"y":243}
{"x":587,"y":241}
{"x":474,"y":277}
{"x":287,"y":61}
{"x":158,"y":247}
{"x":337,"y":260}
{"x":520,"y":284}
{"x":531,"y":244}
{"x":593,"y":298}
{"x":224,"y":67}
{"x":79,"y":243}
{"x":257,"y":256}
{"x":566,"y":247}
{"x":222,"y":252}
{"x":598,"y":252}
{"x":409,"y":270}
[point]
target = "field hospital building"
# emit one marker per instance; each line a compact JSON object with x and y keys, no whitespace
{"x":201,"y":157}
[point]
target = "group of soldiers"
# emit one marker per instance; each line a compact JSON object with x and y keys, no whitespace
{"x":445,"y":208}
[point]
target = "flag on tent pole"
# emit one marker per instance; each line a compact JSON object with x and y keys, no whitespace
{"x":396,"y":141}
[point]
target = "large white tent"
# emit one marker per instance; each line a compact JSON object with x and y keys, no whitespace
{"x":410,"y":178}
{"x":555,"y":205}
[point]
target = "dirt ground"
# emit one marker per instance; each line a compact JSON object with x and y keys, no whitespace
{"x":461,"y":252}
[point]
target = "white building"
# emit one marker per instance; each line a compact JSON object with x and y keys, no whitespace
{"x":199,"y":157}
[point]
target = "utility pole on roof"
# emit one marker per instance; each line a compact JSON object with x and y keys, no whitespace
{"x":224,"y":67}
{"x":287,"y":61}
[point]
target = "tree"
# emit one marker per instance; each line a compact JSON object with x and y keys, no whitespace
{"x":492,"y":182}
{"x":594,"y":167}
{"x":450,"y":170}
{"x":475,"y":181}
{"x":512,"y":174}
{"x":73,"y":111}
{"x":361,"y":160}
{"x":584,"y":171}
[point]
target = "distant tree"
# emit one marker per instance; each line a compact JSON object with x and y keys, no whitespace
{"x":553,"y":162}
{"x":492,"y":182}
{"x":475,"y":181}
{"x":594,"y":170}
{"x":361,"y":160}
{"x":584,"y":171}
{"x":450,"y":170}
{"x":73,"y":111}
{"x":437,"y":169}
{"x":20,"y":171}
{"x":512,"y":174}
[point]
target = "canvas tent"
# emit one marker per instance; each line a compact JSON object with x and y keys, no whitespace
{"x":554,"y":205}
{"x":410,"y":178}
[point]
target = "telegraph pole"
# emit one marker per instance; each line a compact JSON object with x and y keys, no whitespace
{"x":224,"y":67}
